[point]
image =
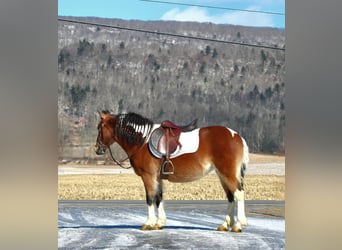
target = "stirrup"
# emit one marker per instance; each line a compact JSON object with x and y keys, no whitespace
{"x":165,"y":163}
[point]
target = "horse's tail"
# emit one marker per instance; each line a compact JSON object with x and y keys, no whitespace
{"x":245,"y":160}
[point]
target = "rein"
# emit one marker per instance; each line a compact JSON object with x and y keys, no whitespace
{"x":118,"y":162}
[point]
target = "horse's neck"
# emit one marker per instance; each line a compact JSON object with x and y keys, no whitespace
{"x":129,"y":149}
{"x":132,"y":148}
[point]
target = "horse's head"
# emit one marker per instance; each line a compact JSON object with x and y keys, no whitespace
{"x":129,"y":130}
{"x":105,"y":136}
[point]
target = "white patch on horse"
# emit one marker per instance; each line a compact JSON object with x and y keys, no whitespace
{"x":232,"y":132}
{"x":207,"y":168}
{"x":245,"y":159}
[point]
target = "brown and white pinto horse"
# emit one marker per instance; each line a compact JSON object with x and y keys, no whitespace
{"x":220,"y":149}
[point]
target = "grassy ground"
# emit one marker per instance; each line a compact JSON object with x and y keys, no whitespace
{"x":130,"y":186}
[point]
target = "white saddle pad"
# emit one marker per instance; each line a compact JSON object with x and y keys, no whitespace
{"x":189,"y":142}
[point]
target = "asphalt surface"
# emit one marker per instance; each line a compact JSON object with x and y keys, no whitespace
{"x":190,"y":225}
{"x":253,"y":169}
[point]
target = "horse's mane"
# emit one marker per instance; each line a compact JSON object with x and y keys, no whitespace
{"x":132,"y":128}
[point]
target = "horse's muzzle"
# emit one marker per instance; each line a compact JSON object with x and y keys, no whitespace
{"x":99,"y":150}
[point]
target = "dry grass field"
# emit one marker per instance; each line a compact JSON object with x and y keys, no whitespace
{"x":130,"y":186}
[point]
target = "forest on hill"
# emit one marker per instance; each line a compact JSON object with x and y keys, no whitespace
{"x":165,"y":77}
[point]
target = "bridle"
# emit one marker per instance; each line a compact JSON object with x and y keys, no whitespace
{"x":103,"y":146}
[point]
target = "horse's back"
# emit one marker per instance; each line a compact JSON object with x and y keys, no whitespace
{"x":220,"y":134}
{"x":222,"y":141}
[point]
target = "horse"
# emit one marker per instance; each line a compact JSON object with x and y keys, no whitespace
{"x":220,"y":149}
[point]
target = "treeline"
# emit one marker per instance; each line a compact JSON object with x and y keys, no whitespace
{"x":237,"y":86}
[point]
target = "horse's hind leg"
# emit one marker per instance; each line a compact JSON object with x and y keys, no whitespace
{"x":230,"y":220}
{"x":241,"y":216}
{"x":240,"y":197}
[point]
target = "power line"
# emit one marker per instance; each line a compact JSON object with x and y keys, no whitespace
{"x":170,"y":34}
{"x":215,"y":7}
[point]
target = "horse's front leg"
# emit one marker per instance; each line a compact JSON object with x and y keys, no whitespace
{"x":154,"y":196}
{"x":151,"y":218}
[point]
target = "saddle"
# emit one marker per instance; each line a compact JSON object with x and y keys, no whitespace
{"x":166,"y":141}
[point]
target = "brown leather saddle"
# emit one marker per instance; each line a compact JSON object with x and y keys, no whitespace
{"x":165,"y":141}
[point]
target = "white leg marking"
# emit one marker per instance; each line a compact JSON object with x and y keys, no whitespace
{"x":229,"y":220}
{"x":231,"y":212}
{"x":151,"y":219}
{"x":241,"y":216}
{"x":226,"y":223}
{"x":161,"y":215}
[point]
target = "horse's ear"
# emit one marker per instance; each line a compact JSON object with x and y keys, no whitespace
{"x":101,"y":114}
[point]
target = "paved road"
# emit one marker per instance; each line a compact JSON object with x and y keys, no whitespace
{"x":190,"y":225}
{"x":253,"y":168}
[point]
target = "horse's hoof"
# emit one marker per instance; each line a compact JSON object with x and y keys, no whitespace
{"x":146,"y":227}
{"x":157,"y":227}
{"x":222,"y":228}
{"x":236,"y":229}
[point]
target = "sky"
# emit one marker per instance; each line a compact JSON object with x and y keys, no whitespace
{"x":147,"y":10}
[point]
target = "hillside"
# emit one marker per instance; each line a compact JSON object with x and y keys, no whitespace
{"x":163,"y":77}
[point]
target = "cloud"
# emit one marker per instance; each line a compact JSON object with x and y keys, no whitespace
{"x":190,"y":14}
{"x":197,"y":14}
